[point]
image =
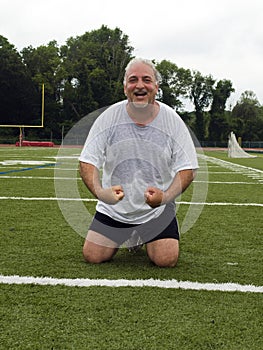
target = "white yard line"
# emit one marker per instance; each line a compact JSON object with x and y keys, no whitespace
{"x":173,"y":284}
{"x":223,"y":204}
{"x":228,"y":182}
{"x":95,"y":200}
{"x":79,"y":178}
{"x":216,"y":172}
{"x":50,"y":199}
{"x":40,"y":177}
{"x":241,"y":169}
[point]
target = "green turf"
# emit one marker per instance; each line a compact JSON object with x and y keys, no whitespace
{"x":100,"y":318}
{"x":224,"y":245}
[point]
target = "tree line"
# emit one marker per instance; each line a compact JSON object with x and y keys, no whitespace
{"x":86,"y":73}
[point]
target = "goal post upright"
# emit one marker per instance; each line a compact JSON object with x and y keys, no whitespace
{"x":43,"y":106}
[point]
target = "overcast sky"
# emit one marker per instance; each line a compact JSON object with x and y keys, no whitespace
{"x":223,"y":38}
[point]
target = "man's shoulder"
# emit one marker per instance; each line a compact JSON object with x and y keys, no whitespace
{"x":116,"y":105}
{"x":110,"y":113}
{"x":169,"y":115}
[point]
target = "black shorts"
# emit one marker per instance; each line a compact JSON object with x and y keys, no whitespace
{"x":164,"y":226}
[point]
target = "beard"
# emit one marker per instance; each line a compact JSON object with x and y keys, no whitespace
{"x":140,"y":105}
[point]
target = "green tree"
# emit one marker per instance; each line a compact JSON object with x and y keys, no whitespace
{"x":174,"y":83}
{"x":219,"y":126}
{"x":44,"y":64}
{"x":201,"y":94}
{"x":18,"y":97}
{"x":94,"y":64}
{"x":247,"y":117}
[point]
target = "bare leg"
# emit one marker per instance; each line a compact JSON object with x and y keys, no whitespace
{"x":97,"y":248}
{"x":163,"y":252}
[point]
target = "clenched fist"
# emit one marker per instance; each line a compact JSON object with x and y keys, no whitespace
{"x":111,"y":195}
{"x":153,"y":196}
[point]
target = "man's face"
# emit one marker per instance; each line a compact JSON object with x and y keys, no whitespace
{"x":141,"y":85}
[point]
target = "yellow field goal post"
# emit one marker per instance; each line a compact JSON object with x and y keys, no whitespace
{"x":21,"y":127}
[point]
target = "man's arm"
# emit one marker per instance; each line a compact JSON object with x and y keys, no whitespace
{"x":156,"y":197}
{"x":91,"y":177}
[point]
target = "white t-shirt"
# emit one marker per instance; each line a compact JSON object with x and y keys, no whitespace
{"x":136,"y":157}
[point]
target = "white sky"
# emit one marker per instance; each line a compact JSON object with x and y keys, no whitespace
{"x":223,"y":38}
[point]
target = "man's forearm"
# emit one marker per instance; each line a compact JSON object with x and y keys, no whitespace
{"x":91,"y":177}
{"x":180,"y":183}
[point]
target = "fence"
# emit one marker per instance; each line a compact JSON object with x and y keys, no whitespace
{"x":245,"y":144}
{"x":80,"y":141}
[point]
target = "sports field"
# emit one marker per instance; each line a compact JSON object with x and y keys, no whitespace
{"x":51,"y":299}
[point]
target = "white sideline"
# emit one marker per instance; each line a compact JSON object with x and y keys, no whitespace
{"x":172,"y":284}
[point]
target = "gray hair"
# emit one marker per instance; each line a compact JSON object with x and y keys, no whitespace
{"x":149,"y":63}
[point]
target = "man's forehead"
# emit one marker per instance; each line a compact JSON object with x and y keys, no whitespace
{"x":140,"y":70}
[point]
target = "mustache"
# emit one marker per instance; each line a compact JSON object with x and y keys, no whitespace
{"x":140,"y":92}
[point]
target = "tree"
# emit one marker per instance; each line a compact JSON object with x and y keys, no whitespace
{"x":201,"y":93}
{"x":174,"y":83}
{"x":44,"y":65}
{"x":18,"y":97}
{"x":218,"y":127}
{"x":247,"y":117}
{"x":94,"y":64}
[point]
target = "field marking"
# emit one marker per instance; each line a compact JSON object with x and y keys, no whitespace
{"x":46,"y":168}
{"x":222,"y":204}
{"x":228,"y":182}
{"x":40,"y":177}
{"x":95,"y":200}
{"x":254,"y":173}
{"x":50,"y":199}
{"x":172,"y":284}
{"x":28,"y":168}
{"x":216,"y":172}
{"x":79,"y":178}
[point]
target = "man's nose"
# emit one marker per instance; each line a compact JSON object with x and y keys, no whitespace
{"x":139,"y":83}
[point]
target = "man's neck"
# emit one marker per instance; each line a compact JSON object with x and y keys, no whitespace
{"x":142,"y":115}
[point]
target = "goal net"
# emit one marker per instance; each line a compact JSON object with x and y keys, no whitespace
{"x":234,"y":150}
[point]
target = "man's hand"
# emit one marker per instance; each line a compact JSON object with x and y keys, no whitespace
{"x":91,"y":178}
{"x":153,"y":196}
{"x":110,"y":195}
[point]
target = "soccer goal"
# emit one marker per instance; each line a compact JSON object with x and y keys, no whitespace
{"x":234,"y":150}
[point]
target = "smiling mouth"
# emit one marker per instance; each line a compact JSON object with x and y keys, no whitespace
{"x":140,"y":93}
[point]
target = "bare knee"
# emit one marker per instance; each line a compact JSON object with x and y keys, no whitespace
{"x":164,"y":261}
{"x":164,"y":253}
{"x":93,"y":258}
{"x":98,"y":249}
{"x":97,"y":254}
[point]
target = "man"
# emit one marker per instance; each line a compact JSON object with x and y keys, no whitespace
{"x":148,"y":159}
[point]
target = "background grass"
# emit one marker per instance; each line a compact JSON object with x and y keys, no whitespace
{"x":37,"y":241}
